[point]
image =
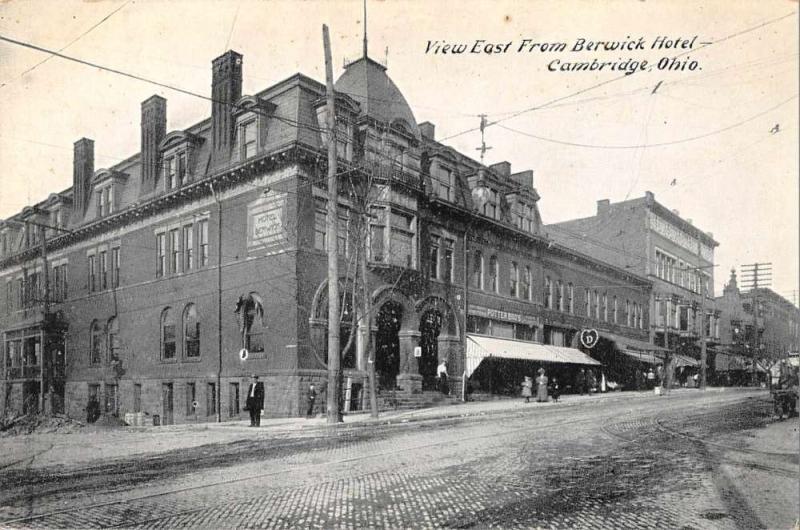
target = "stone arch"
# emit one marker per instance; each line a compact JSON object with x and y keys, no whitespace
{"x":449,"y":341}
{"x":387,"y":293}
{"x":318,"y":318}
{"x":451,"y":325}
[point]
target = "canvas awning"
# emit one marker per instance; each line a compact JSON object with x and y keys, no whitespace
{"x":480,"y":347}
{"x":642,"y":357}
{"x":727,"y":362}
{"x":684,"y":360}
{"x":625,"y":343}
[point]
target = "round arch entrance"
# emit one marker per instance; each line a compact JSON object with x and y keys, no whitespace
{"x":430,"y":326}
{"x":387,"y":343}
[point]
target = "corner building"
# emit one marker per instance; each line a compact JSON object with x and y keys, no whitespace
{"x":160,"y":284}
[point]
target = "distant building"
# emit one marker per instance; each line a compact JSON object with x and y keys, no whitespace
{"x":777,"y":324}
{"x":643,"y":236}
{"x":160,"y":284}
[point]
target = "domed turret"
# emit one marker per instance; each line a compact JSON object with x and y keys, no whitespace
{"x":366,"y":82}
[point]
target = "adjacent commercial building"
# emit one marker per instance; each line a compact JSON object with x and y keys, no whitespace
{"x":643,"y":236}
{"x":161,"y":284}
{"x":751,"y":341}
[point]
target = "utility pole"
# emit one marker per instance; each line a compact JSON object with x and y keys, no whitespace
{"x":367,"y":322}
{"x":483,"y":148}
{"x":44,"y":335}
{"x":334,"y":368}
{"x":703,"y":346}
{"x":218,"y":397}
{"x":752,"y":275}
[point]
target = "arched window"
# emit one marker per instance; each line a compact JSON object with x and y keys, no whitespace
{"x":112,"y":334}
{"x":559,"y":295}
{"x":167,"y":334}
{"x":191,"y":332}
{"x":493,"y":271}
{"x":548,"y":292}
{"x":477,"y":270}
{"x":571,"y":299}
{"x":526,"y":283}
{"x":96,"y":342}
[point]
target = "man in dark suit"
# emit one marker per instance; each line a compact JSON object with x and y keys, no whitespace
{"x":255,"y":401}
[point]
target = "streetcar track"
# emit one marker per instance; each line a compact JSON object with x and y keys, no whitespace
{"x":519,"y":414}
{"x":29,"y":457}
{"x":304,"y":466}
{"x":657,"y":421}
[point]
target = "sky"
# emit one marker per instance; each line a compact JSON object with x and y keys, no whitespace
{"x":716,"y":141}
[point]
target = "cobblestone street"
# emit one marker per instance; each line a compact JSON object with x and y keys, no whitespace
{"x":682,"y":461}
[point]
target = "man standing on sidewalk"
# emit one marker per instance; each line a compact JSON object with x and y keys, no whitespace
{"x":255,"y":401}
{"x":441,"y":372}
{"x":312,"y":397}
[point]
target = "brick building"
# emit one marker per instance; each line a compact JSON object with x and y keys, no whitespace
{"x":162,"y":283}
{"x":643,"y":236}
{"x":777,"y":325}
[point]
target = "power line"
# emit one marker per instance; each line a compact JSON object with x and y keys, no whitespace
{"x":70,"y":43}
{"x":646,"y":145}
{"x":611,"y":80}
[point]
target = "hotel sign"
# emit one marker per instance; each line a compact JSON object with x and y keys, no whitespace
{"x":266,"y":221}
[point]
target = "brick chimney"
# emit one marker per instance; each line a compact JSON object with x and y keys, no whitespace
{"x":502,"y":168}
{"x":427,"y":130}
{"x":524,"y":178}
{"x":603,"y":206}
{"x":82,"y":173}
{"x":154,"y":128}
{"x":226,"y":89}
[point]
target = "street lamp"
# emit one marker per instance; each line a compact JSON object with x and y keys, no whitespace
{"x":480,"y":194}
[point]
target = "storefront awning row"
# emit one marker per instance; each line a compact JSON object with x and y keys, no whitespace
{"x":480,"y":347}
{"x":642,"y":357}
{"x":626,"y":343}
{"x":684,"y":360}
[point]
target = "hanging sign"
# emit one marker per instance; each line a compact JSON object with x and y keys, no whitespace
{"x":243,"y":353}
{"x":589,"y":338}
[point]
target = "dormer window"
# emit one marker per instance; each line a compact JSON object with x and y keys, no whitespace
{"x":175,"y":170}
{"x":105,"y":201}
{"x":178,"y":149}
{"x":444,"y":183}
{"x":247,"y":134}
{"x":252,"y":116}
{"x":107,"y":184}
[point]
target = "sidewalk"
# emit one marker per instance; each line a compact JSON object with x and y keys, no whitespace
{"x":41,"y":450}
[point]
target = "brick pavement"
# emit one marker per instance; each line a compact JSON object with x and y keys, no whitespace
{"x":518,"y":470}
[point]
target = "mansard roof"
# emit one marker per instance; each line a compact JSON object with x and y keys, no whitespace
{"x":366,"y":81}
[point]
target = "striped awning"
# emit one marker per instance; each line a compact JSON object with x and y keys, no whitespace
{"x":480,"y":347}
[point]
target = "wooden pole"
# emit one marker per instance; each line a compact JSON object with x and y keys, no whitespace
{"x":334,"y":362}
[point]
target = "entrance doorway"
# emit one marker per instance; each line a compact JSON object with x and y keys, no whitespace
{"x":387,"y":344}
{"x":166,"y":404}
{"x":430,"y":325}
{"x":30,"y":397}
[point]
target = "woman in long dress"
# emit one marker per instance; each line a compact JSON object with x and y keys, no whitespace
{"x":527,"y":385}
{"x":541,"y":387}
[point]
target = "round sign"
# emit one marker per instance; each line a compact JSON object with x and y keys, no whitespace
{"x":243,"y":354}
{"x":194,"y":404}
{"x":589,"y":338}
